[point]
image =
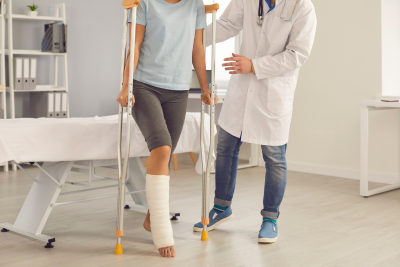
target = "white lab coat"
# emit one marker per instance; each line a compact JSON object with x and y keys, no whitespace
{"x":259,"y":107}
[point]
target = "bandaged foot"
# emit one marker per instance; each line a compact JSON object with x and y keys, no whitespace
{"x":157,"y":192}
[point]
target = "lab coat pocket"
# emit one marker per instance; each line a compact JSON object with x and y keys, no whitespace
{"x":279,"y":31}
{"x":280,"y":95}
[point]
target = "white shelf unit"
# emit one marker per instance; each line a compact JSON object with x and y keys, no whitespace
{"x":3,"y":103}
{"x":59,"y":16}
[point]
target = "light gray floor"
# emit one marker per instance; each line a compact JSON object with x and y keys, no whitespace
{"x":324,"y":222}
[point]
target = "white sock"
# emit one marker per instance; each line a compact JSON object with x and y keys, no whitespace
{"x":157,"y":192}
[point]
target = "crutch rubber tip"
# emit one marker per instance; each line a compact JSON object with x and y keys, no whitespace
{"x":119,"y":250}
{"x":204,"y":236}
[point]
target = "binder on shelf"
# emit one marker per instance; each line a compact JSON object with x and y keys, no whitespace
{"x":18,"y":74}
{"x":63,"y":38}
{"x":47,"y":42}
{"x":25,"y":74}
{"x":42,"y":104}
{"x":50,"y":105}
{"x":57,"y":105}
{"x":32,"y":76}
{"x":55,"y":38}
{"x":64,"y":105}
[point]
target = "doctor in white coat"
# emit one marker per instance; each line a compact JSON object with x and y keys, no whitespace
{"x":278,"y":36}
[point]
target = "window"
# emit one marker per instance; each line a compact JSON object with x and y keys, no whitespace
{"x":390,"y":26}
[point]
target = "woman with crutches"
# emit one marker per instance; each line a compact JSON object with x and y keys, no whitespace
{"x":168,"y":40}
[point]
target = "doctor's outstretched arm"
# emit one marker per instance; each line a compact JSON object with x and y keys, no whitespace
{"x":229,"y":24}
{"x":301,"y":40}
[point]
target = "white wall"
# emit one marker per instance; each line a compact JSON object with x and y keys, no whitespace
{"x":94,"y":48}
{"x":344,"y":68}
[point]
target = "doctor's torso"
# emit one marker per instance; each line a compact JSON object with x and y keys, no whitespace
{"x":262,"y":105}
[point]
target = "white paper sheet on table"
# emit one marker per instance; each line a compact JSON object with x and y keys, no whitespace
{"x":75,"y":139}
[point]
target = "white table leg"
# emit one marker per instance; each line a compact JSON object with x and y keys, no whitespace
{"x":14,"y":166}
{"x":364,"y":152}
{"x":37,"y":207}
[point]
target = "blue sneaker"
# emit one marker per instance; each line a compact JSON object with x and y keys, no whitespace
{"x":215,"y":220}
{"x":268,"y":232}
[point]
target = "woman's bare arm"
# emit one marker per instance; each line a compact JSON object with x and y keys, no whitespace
{"x":199,"y":64}
{"x":140,"y":30}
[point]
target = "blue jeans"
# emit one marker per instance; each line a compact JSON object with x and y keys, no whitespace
{"x":226,"y":170}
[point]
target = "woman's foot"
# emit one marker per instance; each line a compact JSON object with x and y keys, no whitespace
{"x":167,"y":252}
{"x":146,"y":223}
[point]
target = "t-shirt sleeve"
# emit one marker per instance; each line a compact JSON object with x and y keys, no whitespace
{"x":140,"y":14}
{"x":201,"y":22}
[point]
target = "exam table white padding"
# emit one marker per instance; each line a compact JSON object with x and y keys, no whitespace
{"x":78,"y":139}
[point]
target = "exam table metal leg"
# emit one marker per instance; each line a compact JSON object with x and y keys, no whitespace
{"x":38,"y":204}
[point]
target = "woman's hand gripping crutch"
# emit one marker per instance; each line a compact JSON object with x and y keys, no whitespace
{"x":123,"y":168}
{"x":205,"y":99}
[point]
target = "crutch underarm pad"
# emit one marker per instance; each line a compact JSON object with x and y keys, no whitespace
{"x":212,"y":8}
{"x":129,"y":4}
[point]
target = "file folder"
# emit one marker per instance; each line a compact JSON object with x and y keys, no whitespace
{"x":57,"y":105}
{"x":56,"y":37}
{"x":41,"y":105}
{"x":64,"y":105}
{"x":25,"y":74}
{"x":18,"y":74}
{"x":32,"y":76}
{"x":50,"y":105}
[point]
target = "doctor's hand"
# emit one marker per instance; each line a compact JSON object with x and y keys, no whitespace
{"x":122,"y":97}
{"x":206,"y":97}
{"x":238,"y":65}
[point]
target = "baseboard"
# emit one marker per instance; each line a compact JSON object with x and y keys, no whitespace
{"x":339,"y":172}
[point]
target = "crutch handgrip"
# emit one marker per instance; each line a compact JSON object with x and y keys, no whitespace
{"x":126,"y":99}
{"x":129,"y":4}
{"x":212,"y":8}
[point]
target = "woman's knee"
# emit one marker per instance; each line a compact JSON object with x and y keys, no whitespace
{"x":161,"y":153}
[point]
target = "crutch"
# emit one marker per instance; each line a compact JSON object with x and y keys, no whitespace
{"x":207,"y":166}
{"x":122,"y":169}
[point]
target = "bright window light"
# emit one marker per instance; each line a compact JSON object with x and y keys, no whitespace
{"x":224,"y":49}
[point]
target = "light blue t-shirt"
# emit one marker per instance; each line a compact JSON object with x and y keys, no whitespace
{"x":165,"y":59}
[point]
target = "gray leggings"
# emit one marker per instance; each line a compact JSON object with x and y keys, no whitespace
{"x":159,"y":113}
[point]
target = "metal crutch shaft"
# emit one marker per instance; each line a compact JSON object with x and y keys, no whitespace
{"x":123,"y":168}
{"x":206,"y":169}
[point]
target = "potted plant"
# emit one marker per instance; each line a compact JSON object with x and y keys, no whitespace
{"x":32,"y":12}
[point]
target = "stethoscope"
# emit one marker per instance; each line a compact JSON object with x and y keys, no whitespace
{"x":260,"y":18}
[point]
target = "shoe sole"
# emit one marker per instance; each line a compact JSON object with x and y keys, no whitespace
{"x":267,"y":240}
{"x":195,"y":229}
